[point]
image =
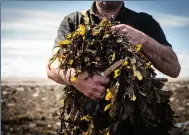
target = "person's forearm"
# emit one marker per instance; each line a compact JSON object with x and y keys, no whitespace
{"x":162,"y":57}
{"x":60,"y":76}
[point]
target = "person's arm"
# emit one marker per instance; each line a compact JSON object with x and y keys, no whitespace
{"x":162,"y":57}
{"x":154,"y":47}
{"x":53,"y":73}
{"x":58,"y":75}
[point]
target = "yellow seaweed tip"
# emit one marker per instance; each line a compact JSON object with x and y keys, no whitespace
{"x":116,"y":73}
{"x":107,"y":106}
{"x":108,"y":95}
{"x":73,"y":78}
{"x":138,"y":47}
{"x":86,"y":117}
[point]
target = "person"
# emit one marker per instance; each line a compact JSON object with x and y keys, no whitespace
{"x":142,"y":28}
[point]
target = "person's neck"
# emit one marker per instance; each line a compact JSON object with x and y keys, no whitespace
{"x":106,"y":13}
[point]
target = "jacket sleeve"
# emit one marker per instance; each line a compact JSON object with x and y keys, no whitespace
{"x":68,"y":25}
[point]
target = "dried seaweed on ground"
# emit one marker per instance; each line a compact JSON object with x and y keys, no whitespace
{"x":133,"y":94}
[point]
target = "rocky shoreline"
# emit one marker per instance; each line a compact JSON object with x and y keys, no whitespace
{"x":32,"y":108}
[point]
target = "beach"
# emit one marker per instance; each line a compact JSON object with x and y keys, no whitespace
{"x":31,"y":106}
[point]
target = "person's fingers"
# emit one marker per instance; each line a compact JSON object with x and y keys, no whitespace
{"x":121,"y":29}
{"x":98,"y":95}
{"x":92,"y":87}
{"x":118,"y":27}
{"x":90,"y":94}
{"x":100,"y":89}
{"x":100,"y":79}
{"x":95,"y":92}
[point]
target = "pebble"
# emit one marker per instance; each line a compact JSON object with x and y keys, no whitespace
{"x":58,"y":96}
{"x":37,"y":89}
{"x":49,"y":126}
{"x":44,"y":98}
{"x":172,"y":99}
{"x":36,"y":94}
{"x":182,"y":124}
{"x":10,"y":104}
{"x":32,"y":125}
{"x":58,"y":123}
{"x":181,"y":109}
{"x":20,"y":89}
{"x":185,"y":101}
{"x":5,"y":92}
{"x":165,"y":88}
{"x":177,"y":85}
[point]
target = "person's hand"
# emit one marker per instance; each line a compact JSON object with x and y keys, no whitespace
{"x":136,"y":36}
{"x":93,"y":88}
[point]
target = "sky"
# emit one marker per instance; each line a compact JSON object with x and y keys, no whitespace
{"x":28,"y":30}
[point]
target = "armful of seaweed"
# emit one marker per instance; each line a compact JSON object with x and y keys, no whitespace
{"x":93,"y":88}
{"x":162,"y":57}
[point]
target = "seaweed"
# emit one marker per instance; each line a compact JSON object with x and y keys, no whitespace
{"x":133,"y":94}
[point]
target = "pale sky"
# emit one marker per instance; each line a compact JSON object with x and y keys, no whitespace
{"x":28,"y":30}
